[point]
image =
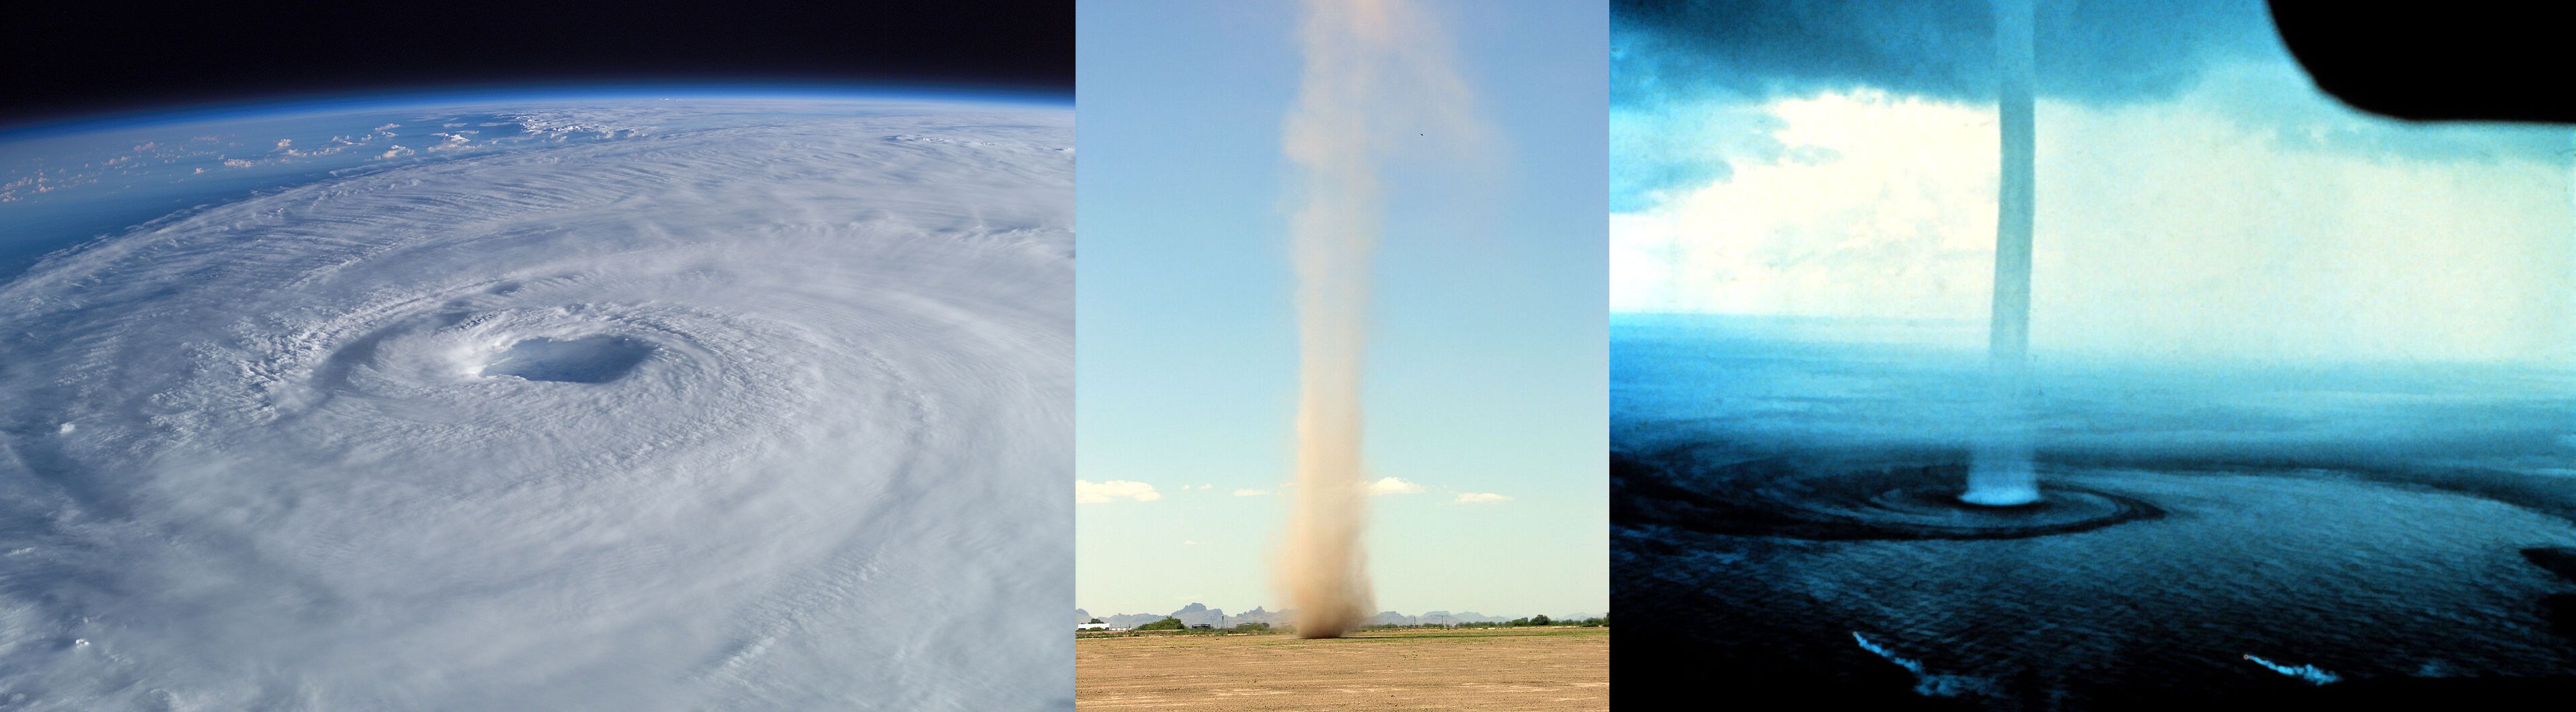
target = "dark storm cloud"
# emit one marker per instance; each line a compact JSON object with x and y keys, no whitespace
{"x":1687,"y":75}
{"x":2095,"y":52}
{"x":1675,"y":57}
{"x":1657,"y":146}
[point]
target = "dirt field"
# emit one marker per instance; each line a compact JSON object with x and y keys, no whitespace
{"x":1527,"y":669}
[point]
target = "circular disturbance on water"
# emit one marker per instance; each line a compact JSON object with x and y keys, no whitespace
{"x":1782,"y":497}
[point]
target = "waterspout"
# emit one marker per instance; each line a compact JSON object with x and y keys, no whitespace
{"x":2000,"y":473}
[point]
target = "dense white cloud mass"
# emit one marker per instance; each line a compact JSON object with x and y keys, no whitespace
{"x":765,"y":407}
{"x":1880,"y":206}
{"x":2244,"y":217}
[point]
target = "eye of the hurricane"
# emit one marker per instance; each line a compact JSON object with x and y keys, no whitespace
{"x":589,"y":359}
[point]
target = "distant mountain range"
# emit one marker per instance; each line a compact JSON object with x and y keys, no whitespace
{"x":1200,"y":614}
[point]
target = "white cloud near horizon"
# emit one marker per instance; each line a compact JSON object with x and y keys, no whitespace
{"x":1481,"y":498}
{"x":1088,"y":492}
{"x":1251,"y":492}
{"x":1391,"y":485}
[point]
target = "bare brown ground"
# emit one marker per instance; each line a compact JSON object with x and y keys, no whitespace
{"x":1498,"y":669}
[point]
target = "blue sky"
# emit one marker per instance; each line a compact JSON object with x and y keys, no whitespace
{"x":1486,"y":361}
{"x":2198,"y":198}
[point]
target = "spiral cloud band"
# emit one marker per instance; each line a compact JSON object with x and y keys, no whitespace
{"x":743,"y":406}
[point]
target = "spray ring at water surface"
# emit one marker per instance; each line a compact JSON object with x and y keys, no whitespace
{"x":1936,"y":511}
{"x":1786,"y":497}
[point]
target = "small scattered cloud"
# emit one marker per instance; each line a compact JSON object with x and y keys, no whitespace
{"x":1393,"y":485}
{"x":1481,"y":498}
{"x":458,"y":141}
{"x":1189,"y":542}
{"x":1251,"y":492}
{"x":1198,"y":487}
{"x":1087,"y":492}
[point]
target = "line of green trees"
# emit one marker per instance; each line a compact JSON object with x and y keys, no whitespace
{"x":1170,"y":623}
{"x":1596,"y":622}
{"x":1167,"y":623}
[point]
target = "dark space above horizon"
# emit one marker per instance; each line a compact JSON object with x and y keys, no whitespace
{"x":69,"y":60}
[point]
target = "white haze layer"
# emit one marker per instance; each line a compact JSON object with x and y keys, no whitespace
{"x":2177,"y":230}
{"x":269,"y":455}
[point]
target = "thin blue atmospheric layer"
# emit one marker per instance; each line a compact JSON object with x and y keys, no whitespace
{"x":533,"y":95}
{"x":66,"y":182}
